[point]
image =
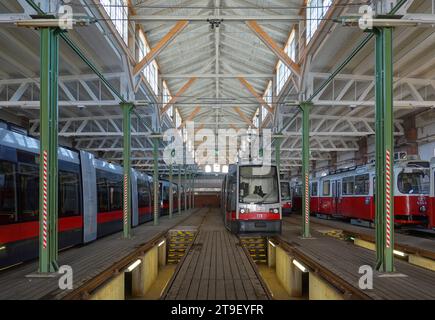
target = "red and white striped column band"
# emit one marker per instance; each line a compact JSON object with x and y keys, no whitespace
{"x":125,"y":199}
{"x":44,"y":201}
{"x":388,"y":197}
{"x":307,"y":209}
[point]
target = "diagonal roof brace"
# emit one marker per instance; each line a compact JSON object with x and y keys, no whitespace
{"x":178,"y":94}
{"x":251,"y":89}
{"x":244,"y":117}
{"x":160,"y":46}
{"x":273,"y":46}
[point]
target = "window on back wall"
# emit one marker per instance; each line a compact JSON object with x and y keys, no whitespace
{"x":268,"y":98}
{"x":166,"y":97}
{"x":151,"y":70}
{"x":282,"y":71}
{"x":264,"y":112}
{"x":256,"y":120}
{"x":118,"y":13}
{"x":316,"y":10}
{"x":178,"y":119}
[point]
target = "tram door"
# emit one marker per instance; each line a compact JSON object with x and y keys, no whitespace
{"x":336,"y":197}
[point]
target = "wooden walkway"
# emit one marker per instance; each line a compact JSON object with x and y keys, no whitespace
{"x":215,"y":267}
{"x":410,"y":244}
{"x":87,"y":262}
{"x":339,"y":262}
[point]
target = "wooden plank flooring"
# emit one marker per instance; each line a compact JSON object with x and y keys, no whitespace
{"x":87,"y":261}
{"x":344,"y":259}
{"x":216,"y":267}
{"x":408,"y":243}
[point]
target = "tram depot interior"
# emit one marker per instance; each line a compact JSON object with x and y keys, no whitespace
{"x":217,"y":149}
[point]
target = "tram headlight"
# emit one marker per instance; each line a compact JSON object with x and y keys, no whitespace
{"x":423,"y":209}
{"x":242,"y":210}
{"x":274,"y":210}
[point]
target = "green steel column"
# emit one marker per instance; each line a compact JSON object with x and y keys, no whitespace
{"x":185,"y":189}
{"x":179,"y":189}
{"x":190,"y":189}
{"x":379,"y":155}
{"x":156,"y":180}
{"x":389,"y":149}
{"x":126,"y":134}
{"x":171,"y":190}
{"x":305,"y":169}
{"x":193,"y":190}
{"x":48,"y":164}
{"x":189,"y":177}
{"x":384,"y":197}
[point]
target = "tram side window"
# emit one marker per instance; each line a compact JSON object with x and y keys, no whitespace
{"x":362,"y":183}
{"x":8,"y":212}
{"x":165,"y":192}
{"x":314,"y":189}
{"x":69,"y":193}
{"x":285,"y":191}
{"x":348,"y":186}
{"x":102,"y":192}
{"x":297,"y":190}
{"x":115,"y":192}
{"x":143,"y":194}
{"x":326,"y":188}
{"x":152,"y":192}
{"x":29,"y":192}
{"x":232,"y":193}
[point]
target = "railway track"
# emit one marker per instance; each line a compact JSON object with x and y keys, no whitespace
{"x":84,"y":291}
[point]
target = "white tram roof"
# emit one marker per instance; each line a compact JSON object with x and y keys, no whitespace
{"x":25,"y":143}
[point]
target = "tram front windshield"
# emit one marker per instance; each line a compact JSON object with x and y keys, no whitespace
{"x":414,"y":181}
{"x":258,"y":185}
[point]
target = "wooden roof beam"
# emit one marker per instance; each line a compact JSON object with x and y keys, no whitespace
{"x":162,"y":44}
{"x":191,"y":116}
{"x":273,"y":46}
{"x":251,"y":89}
{"x":178,"y":94}
{"x":244,"y":117}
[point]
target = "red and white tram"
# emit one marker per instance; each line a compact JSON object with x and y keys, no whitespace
{"x":431,"y":206}
{"x":349,"y":193}
{"x":251,"y":199}
{"x":90,"y":198}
